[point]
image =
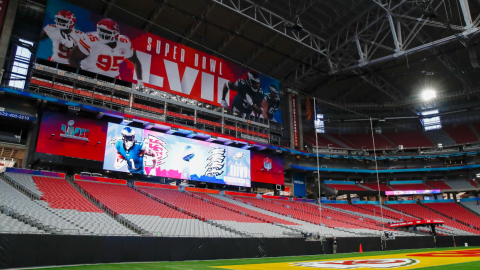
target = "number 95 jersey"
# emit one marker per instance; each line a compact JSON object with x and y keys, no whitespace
{"x":103,"y":59}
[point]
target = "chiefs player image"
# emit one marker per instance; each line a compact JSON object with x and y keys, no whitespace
{"x":271,"y":102}
{"x":104,"y":51}
{"x":63,"y":36}
{"x":249,"y":95}
{"x":130,"y":152}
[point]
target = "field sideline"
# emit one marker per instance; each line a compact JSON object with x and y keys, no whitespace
{"x":262,"y":263}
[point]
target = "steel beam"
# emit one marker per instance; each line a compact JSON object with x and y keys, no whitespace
{"x":274,"y":22}
{"x":270,"y":38}
{"x":347,"y":35}
{"x":413,"y":34}
{"x":445,"y":59}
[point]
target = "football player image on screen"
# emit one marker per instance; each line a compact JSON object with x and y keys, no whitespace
{"x":63,"y":36}
{"x":249,"y":95}
{"x":271,"y":102}
{"x":130,"y":152}
{"x":104,"y":51}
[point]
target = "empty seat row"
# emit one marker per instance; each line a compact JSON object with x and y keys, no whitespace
{"x":200,"y":205}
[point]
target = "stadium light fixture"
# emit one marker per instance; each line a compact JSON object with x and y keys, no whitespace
{"x":428,"y":94}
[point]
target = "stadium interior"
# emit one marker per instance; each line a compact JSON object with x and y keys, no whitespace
{"x":267,"y":127}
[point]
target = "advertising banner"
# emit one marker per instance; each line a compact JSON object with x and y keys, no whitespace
{"x":71,"y":136}
{"x":296,"y":139}
{"x":134,"y":150}
{"x":267,"y":168}
{"x":17,"y":115}
{"x":87,"y":40}
{"x":299,"y":185}
{"x":405,"y":192}
{"x":309,"y":108}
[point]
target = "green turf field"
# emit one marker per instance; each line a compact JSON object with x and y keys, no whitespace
{"x":257,"y":263}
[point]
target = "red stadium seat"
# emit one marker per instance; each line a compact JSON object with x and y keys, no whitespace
{"x":411,"y":187}
{"x":60,"y":194}
{"x":193,"y":205}
{"x":365,"y":140}
{"x":422,"y":212}
{"x":346,"y":187}
{"x":409,"y":139}
{"x":124,"y":200}
{"x":461,"y":134}
{"x":374,"y":186}
{"x":438,"y":184}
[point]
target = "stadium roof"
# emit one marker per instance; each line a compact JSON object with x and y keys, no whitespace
{"x":346,"y":52}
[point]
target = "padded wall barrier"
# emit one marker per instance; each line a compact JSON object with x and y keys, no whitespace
{"x":32,"y":250}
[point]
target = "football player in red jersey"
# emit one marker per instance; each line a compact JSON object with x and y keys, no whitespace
{"x":63,"y":35}
{"x":104,"y":51}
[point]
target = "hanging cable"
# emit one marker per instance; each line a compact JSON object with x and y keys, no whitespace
{"x":378,"y":179}
{"x":318,"y":166}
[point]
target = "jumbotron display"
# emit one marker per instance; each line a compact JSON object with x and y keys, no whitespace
{"x":138,"y":151}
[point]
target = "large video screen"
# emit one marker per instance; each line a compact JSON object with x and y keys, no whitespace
{"x":267,"y":168}
{"x":138,"y":151}
{"x":71,"y":136}
{"x":87,"y":40}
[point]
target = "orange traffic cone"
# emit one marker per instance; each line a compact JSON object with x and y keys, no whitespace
{"x":361,"y":248}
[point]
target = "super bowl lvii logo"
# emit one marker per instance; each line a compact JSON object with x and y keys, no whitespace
{"x":267,"y":164}
{"x":71,"y":132}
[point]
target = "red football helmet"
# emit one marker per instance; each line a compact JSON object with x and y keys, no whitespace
{"x":108,"y":30}
{"x":65,"y":19}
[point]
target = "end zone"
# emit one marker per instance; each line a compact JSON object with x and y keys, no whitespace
{"x":395,"y":261}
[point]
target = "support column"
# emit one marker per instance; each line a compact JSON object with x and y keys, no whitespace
{"x":236,"y":129}
{"x":399,"y":33}
{"x":394,"y":33}
{"x":223,"y":122}
{"x":299,"y":100}
{"x":360,"y":51}
{"x":130,"y":99}
{"x":31,"y":145}
{"x":7,"y":29}
{"x":467,"y":16}
{"x":165,"y":109}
